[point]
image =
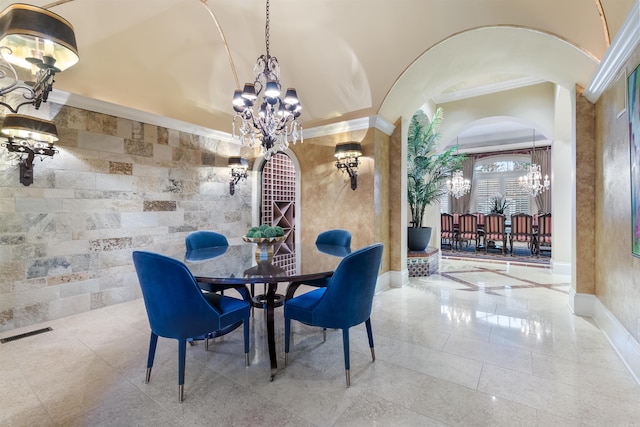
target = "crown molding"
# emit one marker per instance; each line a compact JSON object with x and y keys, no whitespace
{"x":618,"y":53}
{"x":79,"y":101}
{"x":362,"y":123}
{"x":487,"y":89}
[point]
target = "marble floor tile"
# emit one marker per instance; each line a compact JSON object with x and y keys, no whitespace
{"x":474,"y":344}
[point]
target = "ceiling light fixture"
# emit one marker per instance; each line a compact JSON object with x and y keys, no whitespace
{"x":347,"y":160}
{"x":271,"y":120}
{"x":36,"y":39}
{"x":29,"y":137}
{"x":458,"y":186}
{"x":532,"y":182}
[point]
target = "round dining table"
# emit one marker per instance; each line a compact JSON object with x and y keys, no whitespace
{"x":218,"y":268}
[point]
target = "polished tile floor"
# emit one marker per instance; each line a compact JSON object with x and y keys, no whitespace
{"x":478,"y":344}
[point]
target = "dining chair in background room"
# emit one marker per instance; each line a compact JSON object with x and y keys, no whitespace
{"x":447,"y":232}
{"x":345,"y":302}
{"x":522,"y":231}
{"x":543,"y":237}
{"x":468,"y":230}
{"x":178,"y":309}
{"x":495,"y":231}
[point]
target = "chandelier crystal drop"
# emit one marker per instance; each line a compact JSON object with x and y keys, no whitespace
{"x":262,"y":117}
{"x":457,"y":186}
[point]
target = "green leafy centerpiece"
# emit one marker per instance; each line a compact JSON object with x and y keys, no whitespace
{"x":266,"y":237}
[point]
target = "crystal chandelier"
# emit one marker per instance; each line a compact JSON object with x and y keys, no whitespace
{"x":532,"y":182}
{"x":457,"y":186}
{"x":271,"y":121}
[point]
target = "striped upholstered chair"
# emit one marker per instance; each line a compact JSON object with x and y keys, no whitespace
{"x":543,"y":237}
{"x":469,"y":230}
{"x":448,"y":234}
{"x":522,"y":231}
{"x":495,"y":231}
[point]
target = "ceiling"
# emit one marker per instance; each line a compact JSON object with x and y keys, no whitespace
{"x":348,"y":59}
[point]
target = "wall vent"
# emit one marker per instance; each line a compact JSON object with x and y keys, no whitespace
{"x":26,"y":334}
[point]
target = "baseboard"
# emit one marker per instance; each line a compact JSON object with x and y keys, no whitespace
{"x":563,"y":268}
{"x":384,"y":282}
{"x":398,"y":279}
{"x":622,"y":341}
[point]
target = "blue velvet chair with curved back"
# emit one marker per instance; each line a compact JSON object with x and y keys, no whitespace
{"x":197,"y":242}
{"x":346,"y":301}
{"x":335,"y":242}
{"x":178,"y":309}
{"x":204,"y":239}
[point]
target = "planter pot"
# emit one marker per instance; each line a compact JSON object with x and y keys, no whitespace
{"x":418,"y":238}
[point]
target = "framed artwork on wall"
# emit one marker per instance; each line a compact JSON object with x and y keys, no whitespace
{"x":633,"y":96}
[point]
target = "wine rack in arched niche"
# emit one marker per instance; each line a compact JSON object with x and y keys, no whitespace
{"x":278,"y":204}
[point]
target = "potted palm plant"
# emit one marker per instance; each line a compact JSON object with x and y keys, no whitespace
{"x":427,"y":171}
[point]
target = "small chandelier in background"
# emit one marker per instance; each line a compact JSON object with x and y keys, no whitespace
{"x":238,"y":169}
{"x":457,"y":186}
{"x":532,"y":182}
{"x":29,"y":137}
{"x":347,"y":160}
{"x":36,"y":39}
{"x":262,"y":115}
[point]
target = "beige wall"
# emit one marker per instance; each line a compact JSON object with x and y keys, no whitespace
{"x":617,"y":271}
{"x":116,"y":186}
{"x":327,"y":200}
{"x":585,"y":190}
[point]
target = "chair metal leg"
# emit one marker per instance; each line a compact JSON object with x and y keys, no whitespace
{"x":348,"y":375}
{"x":324,"y":334}
{"x":181,"y":393}
{"x":148,"y":377}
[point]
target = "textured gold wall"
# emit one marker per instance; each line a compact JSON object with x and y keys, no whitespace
{"x":327,"y":200}
{"x":617,"y":271}
{"x":585,"y":191}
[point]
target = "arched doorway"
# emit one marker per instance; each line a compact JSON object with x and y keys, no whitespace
{"x":278,"y":203}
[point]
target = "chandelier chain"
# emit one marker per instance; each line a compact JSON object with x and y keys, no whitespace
{"x":266,"y":31}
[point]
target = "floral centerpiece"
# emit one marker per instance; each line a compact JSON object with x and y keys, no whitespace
{"x":499,"y":204}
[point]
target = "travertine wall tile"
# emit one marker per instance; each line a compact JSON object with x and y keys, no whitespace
{"x":66,"y":240}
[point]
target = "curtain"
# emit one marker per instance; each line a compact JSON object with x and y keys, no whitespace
{"x":464,"y":202}
{"x":543,"y":158}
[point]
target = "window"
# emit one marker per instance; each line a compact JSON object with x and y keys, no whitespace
{"x":499,"y":175}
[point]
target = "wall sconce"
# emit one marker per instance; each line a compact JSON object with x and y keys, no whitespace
{"x":35,"y":39}
{"x":238,"y":166}
{"x":29,"y":137}
{"x":347,"y":155}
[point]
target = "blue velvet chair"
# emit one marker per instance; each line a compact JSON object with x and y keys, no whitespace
{"x":336,"y":242}
{"x":335,"y":237}
{"x":177,"y":308}
{"x":204,"y":239}
{"x":201,"y":244}
{"x":345,"y":302}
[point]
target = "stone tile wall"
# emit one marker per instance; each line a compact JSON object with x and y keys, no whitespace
{"x":115,"y":186}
